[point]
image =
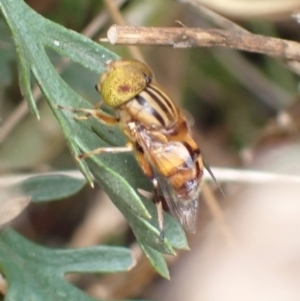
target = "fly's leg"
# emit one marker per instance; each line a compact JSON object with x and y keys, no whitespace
{"x":148,"y":172}
{"x":104,"y":118}
{"x":98,"y":105}
{"x":159,"y":209}
{"x":108,"y":150}
{"x":91,"y":113}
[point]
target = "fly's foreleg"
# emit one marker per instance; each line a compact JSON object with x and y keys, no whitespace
{"x":102,"y":117}
{"x":91,"y":113}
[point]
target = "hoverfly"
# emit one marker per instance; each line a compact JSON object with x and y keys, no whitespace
{"x":158,"y":133}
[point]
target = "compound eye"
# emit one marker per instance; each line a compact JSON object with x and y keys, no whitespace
{"x":96,"y":88}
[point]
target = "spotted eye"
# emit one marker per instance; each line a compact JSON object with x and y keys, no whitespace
{"x":123,"y":80}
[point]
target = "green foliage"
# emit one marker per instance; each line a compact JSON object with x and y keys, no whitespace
{"x":119,"y":175}
{"x":37,"y":273}
{"x":47,"y":188}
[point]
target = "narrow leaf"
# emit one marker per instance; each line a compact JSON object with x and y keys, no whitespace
{"x":50,"y":188}
{"x":157,"y":260}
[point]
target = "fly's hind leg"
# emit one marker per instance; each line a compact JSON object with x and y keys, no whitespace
{"x":159,"y":209}
{"x":108,"y":150}
{"x":148,"y":172}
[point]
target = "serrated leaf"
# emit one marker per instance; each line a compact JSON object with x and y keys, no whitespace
{"x":37,"y":273}
{"x":118,"y":174}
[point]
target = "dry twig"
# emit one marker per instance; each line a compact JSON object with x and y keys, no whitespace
{"x":184,"y":37}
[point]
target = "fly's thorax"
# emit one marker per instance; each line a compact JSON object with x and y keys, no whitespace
{"x":180,"y":130}
{"x":153,"y":108}
{"x":128,"y":126}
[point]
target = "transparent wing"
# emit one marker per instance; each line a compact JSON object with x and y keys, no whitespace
{"x":185,"y":211}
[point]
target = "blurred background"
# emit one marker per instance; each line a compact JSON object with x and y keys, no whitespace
{"x":246,"y":113}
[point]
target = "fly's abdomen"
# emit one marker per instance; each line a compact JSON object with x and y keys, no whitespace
{"x":182,"y":165}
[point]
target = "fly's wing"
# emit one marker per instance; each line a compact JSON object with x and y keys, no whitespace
{"x":185,"y":211}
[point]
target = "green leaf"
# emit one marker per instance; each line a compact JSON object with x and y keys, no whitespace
{"x":37,"y":273}
{"x":157,"y":260}
{"x":25,"y":85}
{"x":79,"y":135}
{"x":7,"y":55}
{"x":118,"y":174}
{"x":48,"y":187}
{"x":141,"y":227}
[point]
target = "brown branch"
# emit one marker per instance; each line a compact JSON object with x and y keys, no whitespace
{"x":198,"y":37}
